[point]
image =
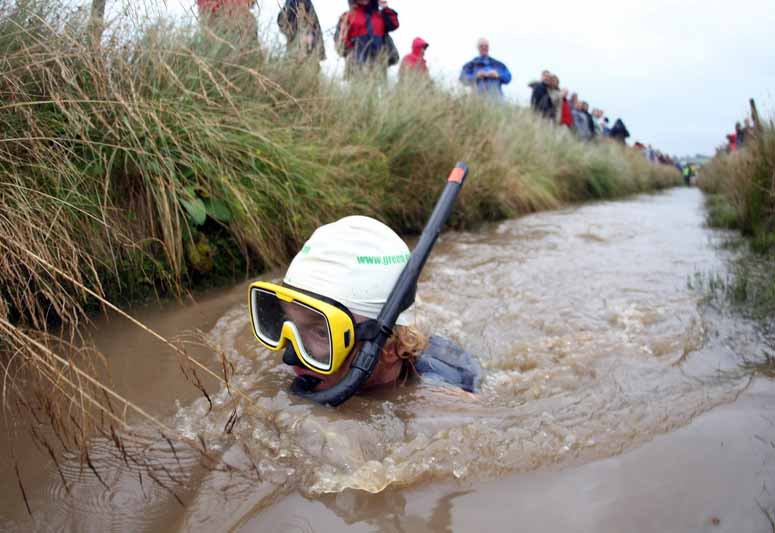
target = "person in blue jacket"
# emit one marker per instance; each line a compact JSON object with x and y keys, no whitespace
{"x":488,"y":75}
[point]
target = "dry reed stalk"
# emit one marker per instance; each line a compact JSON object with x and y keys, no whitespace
{"x":58,"y":376}
{"x":266,"y":414}
{"x":75,"y":394}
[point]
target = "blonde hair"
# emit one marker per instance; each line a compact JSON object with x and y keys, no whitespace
{"x":408,"y":343}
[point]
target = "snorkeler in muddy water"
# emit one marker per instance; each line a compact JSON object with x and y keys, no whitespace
{"x":335,"y":305}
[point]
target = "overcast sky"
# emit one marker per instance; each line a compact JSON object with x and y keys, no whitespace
{"x":678,"y":72}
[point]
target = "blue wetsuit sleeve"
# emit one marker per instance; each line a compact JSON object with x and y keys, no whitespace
{"x":433,"y":377}
{"x":445,"y":362}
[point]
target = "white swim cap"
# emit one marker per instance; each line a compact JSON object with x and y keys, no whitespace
{"x":355,"y":261}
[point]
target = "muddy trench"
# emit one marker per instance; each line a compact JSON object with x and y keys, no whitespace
{"x":613,"y":400}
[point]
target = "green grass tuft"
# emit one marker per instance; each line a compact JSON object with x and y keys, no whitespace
{"x":721,"y":213}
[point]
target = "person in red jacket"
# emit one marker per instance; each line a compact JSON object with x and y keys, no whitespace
{"x":363,"y":33}
{"x":731,"y":142}
{"x":566,"y":117}
{"x":414,"y":64}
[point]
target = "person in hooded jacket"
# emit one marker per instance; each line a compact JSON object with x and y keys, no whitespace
{"x":485,"y":73}
{"x":299,"y":22}
{"x":619,"y":132}
{"x":731,"y":142}
{"x":566,"y":117}
{"x":363,"y":35}
{"x":413,"y":64}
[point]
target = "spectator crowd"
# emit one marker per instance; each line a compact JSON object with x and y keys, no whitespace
{"x":740,"y":137}
{"x":551,"y":101}
{"x":363,"y":38}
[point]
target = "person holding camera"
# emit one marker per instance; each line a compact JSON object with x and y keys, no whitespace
{"x":485,"y":73}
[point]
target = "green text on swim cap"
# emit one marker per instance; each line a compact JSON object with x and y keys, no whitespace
{"x":385,"y":260}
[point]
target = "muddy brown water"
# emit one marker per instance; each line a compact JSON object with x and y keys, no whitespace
{"x":612,"y":401}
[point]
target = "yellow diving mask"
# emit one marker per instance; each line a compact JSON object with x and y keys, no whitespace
{"x":321,"y":331}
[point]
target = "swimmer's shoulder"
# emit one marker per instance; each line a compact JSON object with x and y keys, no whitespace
{"x":445,"y":362}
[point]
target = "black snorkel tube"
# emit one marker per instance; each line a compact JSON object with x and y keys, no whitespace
{"x":401,"y":297}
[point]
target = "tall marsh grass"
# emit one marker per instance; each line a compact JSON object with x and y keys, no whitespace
{"x":741,"y":187}
{"x":168,"y":156}
{"x":743,"y":183}
{"x":154,"y":159}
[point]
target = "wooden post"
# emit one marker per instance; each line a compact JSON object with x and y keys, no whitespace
{"x":97,"y":22}
{"x":757,"y":123}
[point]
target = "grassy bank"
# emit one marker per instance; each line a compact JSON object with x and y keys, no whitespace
{"x":174,"y":157}
{"x":741,"y":196}
{"x":741,"y":188}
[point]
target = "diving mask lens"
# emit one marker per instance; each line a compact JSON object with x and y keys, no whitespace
{"x":276,"y":320}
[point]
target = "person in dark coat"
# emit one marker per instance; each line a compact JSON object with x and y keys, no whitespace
{"x":619,"y":132}
{"x":590,"y":119}
{"x":739,"y":133}
{"x":299,"y":22}
{"x":540,"y":98}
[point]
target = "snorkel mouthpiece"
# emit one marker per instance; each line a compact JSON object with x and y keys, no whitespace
{"x":304,"y":385}
{"x":401,"y":297}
